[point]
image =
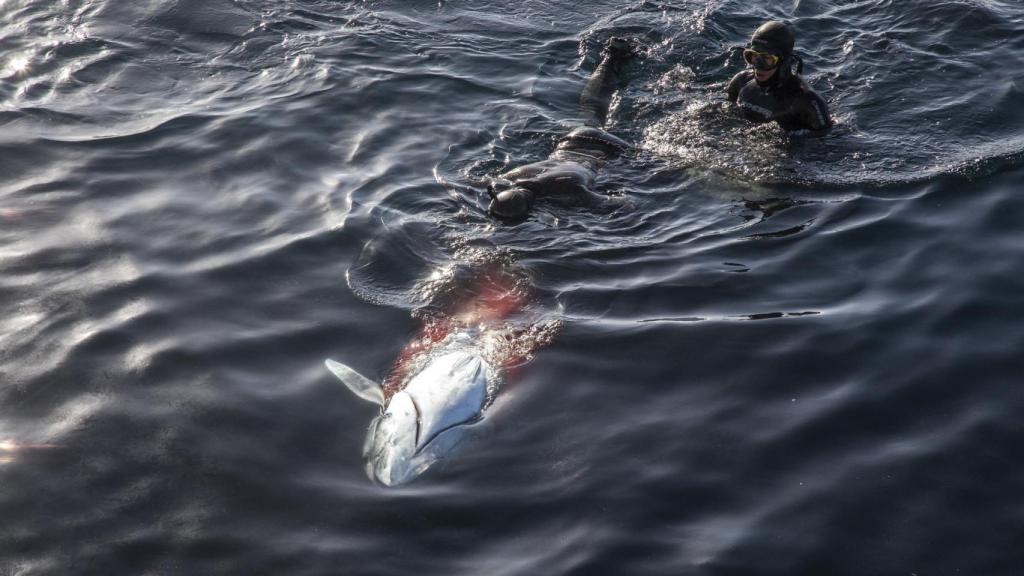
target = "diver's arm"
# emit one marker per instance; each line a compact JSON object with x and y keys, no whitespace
{"x":812,"y":112}
{"x":737,"y":83}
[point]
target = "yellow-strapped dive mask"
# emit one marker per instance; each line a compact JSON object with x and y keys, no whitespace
{"x":761,"y":60}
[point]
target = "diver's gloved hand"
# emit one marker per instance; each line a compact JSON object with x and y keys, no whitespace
{"x":511,"y":204}
{"x":619,"y":47}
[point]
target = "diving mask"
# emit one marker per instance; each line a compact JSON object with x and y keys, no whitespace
{"x":761,"y":60}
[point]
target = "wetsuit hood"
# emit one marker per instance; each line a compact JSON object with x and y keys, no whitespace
{"x":775,"y":37}
{"x":778,"y":38}
{"x":512,"y":204}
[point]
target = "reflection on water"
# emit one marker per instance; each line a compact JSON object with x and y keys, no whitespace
{"x":11,"y":449}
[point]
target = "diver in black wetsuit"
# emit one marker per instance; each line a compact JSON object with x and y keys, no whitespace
{"x":570,"y":170}
{"x":770,"y":90}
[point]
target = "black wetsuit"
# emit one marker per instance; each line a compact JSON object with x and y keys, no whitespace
{"x":790,"y":102}
{"x":569,"y":172}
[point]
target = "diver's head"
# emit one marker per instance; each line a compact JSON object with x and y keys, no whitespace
{"x":771,"y":52}
{"x":512,"y":204}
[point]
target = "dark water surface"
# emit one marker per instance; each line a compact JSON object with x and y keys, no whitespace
{"x":784,"y":357}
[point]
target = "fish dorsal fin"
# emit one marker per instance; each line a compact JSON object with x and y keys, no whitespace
{"x":360,"y":385}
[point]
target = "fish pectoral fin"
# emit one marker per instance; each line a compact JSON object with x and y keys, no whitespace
{"x":359,"y":385}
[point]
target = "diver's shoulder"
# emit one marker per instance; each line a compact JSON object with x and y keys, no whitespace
{"x":741,"y":79}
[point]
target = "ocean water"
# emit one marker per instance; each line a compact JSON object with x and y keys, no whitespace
{"x":779,"y":357}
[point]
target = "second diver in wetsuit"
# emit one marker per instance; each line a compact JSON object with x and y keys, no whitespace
{"x":770,"y":90}
{"x":570,"y":171}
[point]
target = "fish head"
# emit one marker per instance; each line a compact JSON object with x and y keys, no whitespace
{"x":391,"y":442}
{"x":426,"y":420}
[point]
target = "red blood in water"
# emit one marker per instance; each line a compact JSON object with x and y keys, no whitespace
{"x":495,"y":298}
